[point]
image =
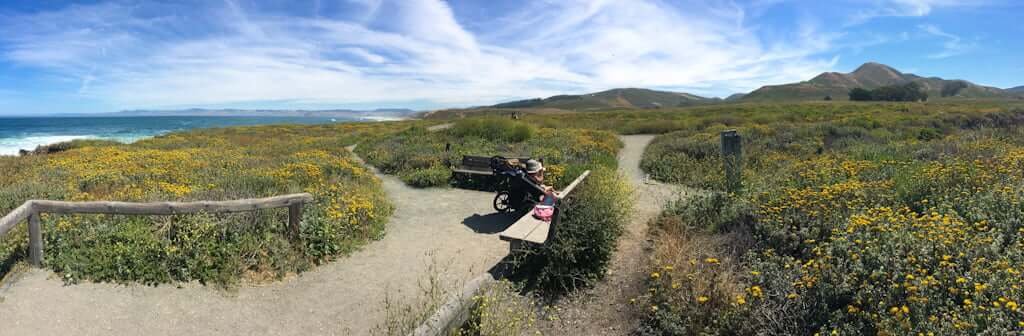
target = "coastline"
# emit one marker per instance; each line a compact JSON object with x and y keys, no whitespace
{"x":29,"y":133}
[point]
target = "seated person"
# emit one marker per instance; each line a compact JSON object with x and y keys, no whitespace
{"x":535,"y":172}
{"x":535,"y":175}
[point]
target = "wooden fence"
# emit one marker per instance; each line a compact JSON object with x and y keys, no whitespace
{"x":32,"y":209}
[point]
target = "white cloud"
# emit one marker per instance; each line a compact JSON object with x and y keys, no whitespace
{"x":410,"y":50}
{"x":952,"y":46}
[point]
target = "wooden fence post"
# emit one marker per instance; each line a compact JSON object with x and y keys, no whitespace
{"x":733,"y":160}
{"x":35,"y":240}
{"x":294,"y":218}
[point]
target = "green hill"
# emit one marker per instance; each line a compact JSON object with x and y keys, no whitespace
{"x":870,"y":76}
{"x":615,"y":98}
{"x":1019,"y":89}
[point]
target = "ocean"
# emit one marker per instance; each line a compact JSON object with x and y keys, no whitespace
{"x":18,"y":133}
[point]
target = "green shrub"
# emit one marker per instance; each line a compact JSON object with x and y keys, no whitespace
{"x":592,"y":220}
{"x":130,"y":249}
{"x":428,"y":177}
{"x":494,"y":129}
{"x":419,"y":158}
{"x":711,"y":211}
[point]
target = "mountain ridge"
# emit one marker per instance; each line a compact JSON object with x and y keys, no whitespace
{"x":871,"y":75}
{"x":637,"y":98}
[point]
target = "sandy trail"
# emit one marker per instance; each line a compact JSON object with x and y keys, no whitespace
{"x":605,"y":309}
{"x":452,"y":226}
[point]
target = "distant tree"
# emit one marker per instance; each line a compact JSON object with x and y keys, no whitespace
{"x":907,"y":92}
{"x":828,"y":98}
{"x":860,"y":94}
{"x":914,"y":92}
{"x":887,"y":93}
{"x":953,"y":88}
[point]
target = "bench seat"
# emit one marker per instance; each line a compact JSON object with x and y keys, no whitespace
{"x":527,"y":229}
{"x":530,"y":230}
{"x":472,"y":171}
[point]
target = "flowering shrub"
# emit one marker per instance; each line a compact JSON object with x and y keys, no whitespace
{"x":855,"y":229}
{"x":592,"y":220}
{"x":349,"y":206}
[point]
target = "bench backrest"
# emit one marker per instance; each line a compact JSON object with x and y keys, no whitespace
{"x":557,"y":217}
{"x":476,"y":161}
{"x":483,"y":161}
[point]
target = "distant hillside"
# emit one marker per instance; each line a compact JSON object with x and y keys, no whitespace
{"x":735,"y":96}
{"x":615,"y":98}
{"x":1019,"y":89}
{"x":870,"y":76}
{"x":340,"y":113}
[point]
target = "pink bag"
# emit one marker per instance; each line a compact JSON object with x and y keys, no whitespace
{"x":546,"y":208}
{"x":543,"y":212}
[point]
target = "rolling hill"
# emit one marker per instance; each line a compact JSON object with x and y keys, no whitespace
{"x":1019,"y":89}
{"x":615,"y":98}
{"x":869,"y":76}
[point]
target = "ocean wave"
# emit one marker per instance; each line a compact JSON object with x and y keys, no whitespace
{"x":11,"y":146}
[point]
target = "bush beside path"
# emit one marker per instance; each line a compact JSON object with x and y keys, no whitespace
{"x":344,"y":297}
{"x":605,"y":309}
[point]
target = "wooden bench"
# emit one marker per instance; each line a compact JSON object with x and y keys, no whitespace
{"x":530,"y":230}
{"x":477,"y":165}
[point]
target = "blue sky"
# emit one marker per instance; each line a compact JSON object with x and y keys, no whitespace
{"x":96,"y":56}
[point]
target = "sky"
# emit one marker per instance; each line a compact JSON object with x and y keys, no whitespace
{"x":101,"y":56}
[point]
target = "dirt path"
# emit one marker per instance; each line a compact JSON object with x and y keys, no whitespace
{"x":605,"y":309}
{"x":341,"y":298}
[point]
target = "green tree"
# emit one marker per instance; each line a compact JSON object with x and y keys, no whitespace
{"x":860,"y":94}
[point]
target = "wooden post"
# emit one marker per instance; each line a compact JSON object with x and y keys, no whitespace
{"x":35,"y":240}
{"x":733,"y":160}
{"x":294,"y":218}
{"x":556,"y":218}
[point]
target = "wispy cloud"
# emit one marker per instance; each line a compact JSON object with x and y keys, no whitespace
{"x":381,"y":52}
{"x":905,"y":8}
{"x":952,"y":46}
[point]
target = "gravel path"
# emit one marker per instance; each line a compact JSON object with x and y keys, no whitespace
{"x":605,"y":309}
{"x":341,"y":298}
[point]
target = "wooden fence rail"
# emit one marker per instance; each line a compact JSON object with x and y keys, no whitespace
{"x":31,"y":210}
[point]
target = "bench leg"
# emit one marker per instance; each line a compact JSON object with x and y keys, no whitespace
{"x":515,"y":246}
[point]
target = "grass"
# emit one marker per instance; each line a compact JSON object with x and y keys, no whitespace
{"x":699,"y":118}
{"x":883,"y":219}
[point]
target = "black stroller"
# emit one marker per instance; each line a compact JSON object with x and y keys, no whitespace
{"x":516,"y":193}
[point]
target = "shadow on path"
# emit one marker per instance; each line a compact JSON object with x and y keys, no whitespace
{"x":490,"y":223}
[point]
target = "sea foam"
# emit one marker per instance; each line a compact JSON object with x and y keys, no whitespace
{"x":11,"y":146}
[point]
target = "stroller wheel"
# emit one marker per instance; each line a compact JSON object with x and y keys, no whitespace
{"x":502,"y":202}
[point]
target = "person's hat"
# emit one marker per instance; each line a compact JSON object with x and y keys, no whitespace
{"x":533,"y":166}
